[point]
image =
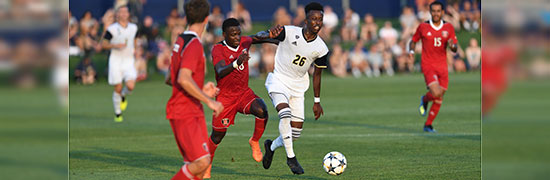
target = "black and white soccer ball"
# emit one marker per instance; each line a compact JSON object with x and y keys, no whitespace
{"x":335,"y":163}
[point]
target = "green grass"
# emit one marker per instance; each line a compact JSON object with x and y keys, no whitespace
{"x":373,"y":122}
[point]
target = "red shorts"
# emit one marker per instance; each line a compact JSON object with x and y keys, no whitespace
{"x":232,"y":105}
{"x":191,"y":136}
{"x":436,"y":75}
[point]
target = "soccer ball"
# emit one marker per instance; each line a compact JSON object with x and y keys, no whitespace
{"x":335,"y":163}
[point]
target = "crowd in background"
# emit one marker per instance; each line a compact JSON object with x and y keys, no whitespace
{"x":359,"y":45}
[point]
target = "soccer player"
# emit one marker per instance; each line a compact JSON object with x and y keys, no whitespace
{"x":436,"y":36}
{"x":120,"y":38}
{"x":230,"y":59}
{"x":298,"y":49}
{"x":184,"y":109}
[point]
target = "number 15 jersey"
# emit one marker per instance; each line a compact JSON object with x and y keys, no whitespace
{"x":295,"y":55}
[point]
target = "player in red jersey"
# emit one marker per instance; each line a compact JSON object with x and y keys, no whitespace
{"x":436,"y":36}
{"x":230,"y":59}
{"x":184,"y":109}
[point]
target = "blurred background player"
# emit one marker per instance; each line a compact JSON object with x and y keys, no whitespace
{"x":230,"y":58}
{"x":120,"y":38}
{"x":184,"y":109}
{"x":436,"y":35}
{"x":298,"y":49}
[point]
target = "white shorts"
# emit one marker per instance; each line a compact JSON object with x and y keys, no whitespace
{"x":279,"y":93}
{"x":121,"y":69}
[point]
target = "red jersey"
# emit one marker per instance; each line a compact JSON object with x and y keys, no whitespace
{"x":236,"y":82}
{"x":434,"y":43}
{"x":187,"y":53}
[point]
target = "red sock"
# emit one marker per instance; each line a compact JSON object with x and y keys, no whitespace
{"x":433,"y":111}
{"x":184,"y":174}
{"x":258,"y":129}
{"x":428,"y":97}
{"x":212,"y":148}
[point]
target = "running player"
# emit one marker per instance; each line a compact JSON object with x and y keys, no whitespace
{"x":120,"y":38}
{"x":436,"y":36}
{"x":230,"y":59}
{"x":184,"y":109}
{"x":298,"y":49}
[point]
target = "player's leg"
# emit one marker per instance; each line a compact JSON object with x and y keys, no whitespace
{"x":296,"y":123}
{"x":220,"y":124}
{"x":258,"y":108}
{"x":130,"y":75}
{"x":437,"y":89}
{"x":280,"y":101}
{"x":191,"y":138}
{"x":115,"y":79}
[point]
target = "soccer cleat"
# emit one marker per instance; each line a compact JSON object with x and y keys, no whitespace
{"x":118,"y":118}
{"x":256,"y":151}
{"x":207,"y":172}
{"x":123,"y":104}
{"x":429,"y":128}
{"x":423,"y":107}
{"x":268,"y":156}
{"x":294,"y":165}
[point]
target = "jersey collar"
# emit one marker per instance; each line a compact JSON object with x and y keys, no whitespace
{"x":436,"y":28}
{"x":193,"y":33}
{"x":231,"y":48}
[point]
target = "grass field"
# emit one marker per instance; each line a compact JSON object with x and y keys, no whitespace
{"x":373,"y":122}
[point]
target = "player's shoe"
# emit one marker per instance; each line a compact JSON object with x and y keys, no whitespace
{"x":123,"y":104}
{"x":256,"y":151}
{"x":429,"y":128}
{"x":118,"y":118}
{"x":294,"y":165}
{"x":268,"y":156}
{"x":423,"y":107}
{"x":207,"y":172}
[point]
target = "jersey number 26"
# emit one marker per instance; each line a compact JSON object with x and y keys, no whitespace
{"x":300,"y":61}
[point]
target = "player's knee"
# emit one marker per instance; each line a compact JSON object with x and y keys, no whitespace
{"x":296,"y":133}
{"x":260,"y":109}
{"x":217,"y":136}
{"x":438,"y":101}
{"x":285,"y":113}
{"x":281,"y":106}
{"x":203,"y":163}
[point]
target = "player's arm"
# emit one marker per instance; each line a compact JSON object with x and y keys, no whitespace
{"x":223,"y":69}
{"x":412,"y":45}
{"x":105,"y":44}
{"x":185,"y":80}
{"x":274,"y":35}
{"x":453,"y":41}
{"x":320,"y":64}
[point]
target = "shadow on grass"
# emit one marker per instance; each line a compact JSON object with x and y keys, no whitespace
{"x":219,"y":168}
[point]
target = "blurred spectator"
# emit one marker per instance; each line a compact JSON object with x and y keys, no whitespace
{"x":350,"y":26}
{"x":408,"y":22}
{"x":424,"y":12}
{"x":468,"y":17}
{"x":452,"y":16}
{"x":473,"y":54}
{"x":377,"y":60}
{"x":240,"y":13}
{"x":214,"y":28}
{"x":330,"y":21}
{"x":25,"y":57}
{"x":358,"y":61}
{"x":164,"y":58}
{"x":300,"y":16}
{"x":140,"y":63}
{"x":369,"y":29}
{"x":5,"y":53}
{"x":108,"y":19}
{"x":338,"y":61}
{"x":87,"y":21}
{"x":455,"y":61}
{"x":148,"y":32}
{"x":281,"y":17}
{"x":173,"y":21}
{"x":73,"y":34}
{"x":85,"y":41}
{"x":268,"y":56}
{"x":254,"y":62}
{"x":404,"y":63}
{"x":85,"y":71}
{"x":388,"y":34}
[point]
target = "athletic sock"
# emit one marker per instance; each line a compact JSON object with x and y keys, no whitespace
{"x":434,"y":110}
{"x":286,"y":132}
{"x":277,"y":143}
{"x":428,"y":97}
{"x":259,"y":128}
{"x":212,"y":148}
{"x":184,"y":174}
{"x":116,"y":102}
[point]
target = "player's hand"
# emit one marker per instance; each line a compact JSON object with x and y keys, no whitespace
{"x":210,"y":90}
{"x":216,"y":106}
{"x":317,"y":110}
{"x":275,"y":31}
{"x":244,"y":57}
{"x":411,"y":56}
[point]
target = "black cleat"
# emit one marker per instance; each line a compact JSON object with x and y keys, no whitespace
{"x":294,"y":165}
{"x":268,"y":155}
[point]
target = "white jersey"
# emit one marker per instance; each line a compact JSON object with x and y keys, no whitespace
{"x":295,"y":55}
{"x":116,"y":34}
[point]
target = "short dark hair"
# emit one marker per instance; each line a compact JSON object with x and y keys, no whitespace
{"x":437,"y":3}
{"x":230,"y":23}
{"x":314,"y":6}
{"x":196,"y":11}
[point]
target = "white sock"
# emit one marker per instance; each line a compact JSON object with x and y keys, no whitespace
{"x":376,"y":72}
{"x":277,"y":143}
{"x":286,"y":132}
{"x":125,"y":91}
{"x":368,"y":72}
{"x":389,"y":71}
{"x":116,"y":102}
{"x":356,"y":73}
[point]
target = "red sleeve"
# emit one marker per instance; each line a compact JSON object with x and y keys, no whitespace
{"x":217,"y":54}
{"x":418,"y":34}
{"x":192,"y":55}
{"x":452,"y":34}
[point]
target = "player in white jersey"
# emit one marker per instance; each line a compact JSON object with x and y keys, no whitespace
{"x":120,"y":38}
{"x":298,"y":49}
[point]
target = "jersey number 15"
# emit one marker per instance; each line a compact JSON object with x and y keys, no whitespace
{"x":300,"y":61}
